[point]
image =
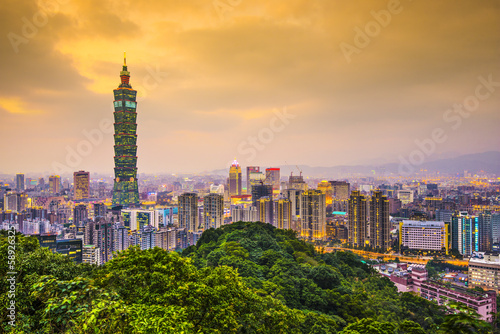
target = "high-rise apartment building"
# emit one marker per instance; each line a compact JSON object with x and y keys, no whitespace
{"x":282,"y":213}
{"x":99,"y":210}
{"x":213,"y":211}
{"x":20,"y":182}
{"x":357,"y":219}
{"x":80,"y":214}
{"x":265,"y":209}
{"x":81,"y":185}
{"x":54,"y":184}
{"x":125,"y":189}
{"x":91,"y":255}
{"x":380,"y":226}
{"x":103,"y":239}
{"x":235,"y":179}
{"x":313,"y":215}
{"x":188,"y":212}
{"x":340,"y":190}
{"x":240,"y":213}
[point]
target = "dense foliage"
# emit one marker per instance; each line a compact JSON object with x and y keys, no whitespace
{"x":241,"y":278}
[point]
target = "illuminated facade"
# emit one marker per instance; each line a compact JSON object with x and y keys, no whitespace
{"x":235,"y":179}
{"x":465,"y":233}
{"x":282,"y":213}
{"x":265,"y":209}
{"x":357,"y":219}
{"x":313,"y":215}
{"x":380,"y":226}
{"x":326,"y":188}
{"x":250,"y":170}
{"x":424,"y":235}
{"x":273,"y":178}
{"x":125,"y":190}
{"x":81,"y":185}
{"x":340,"y":189}
{"x":55,"y":184}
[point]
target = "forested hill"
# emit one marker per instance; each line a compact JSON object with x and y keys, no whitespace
{"x":241,"y":278}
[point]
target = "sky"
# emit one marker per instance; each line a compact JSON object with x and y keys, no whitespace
{"x":312,"y":82}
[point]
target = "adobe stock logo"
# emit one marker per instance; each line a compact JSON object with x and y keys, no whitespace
{"x":265,"y":136}
{"x":30,"y":27}
{"x":373,"y":28}
{"x":455,"y":116}
{"x":74,"y":156}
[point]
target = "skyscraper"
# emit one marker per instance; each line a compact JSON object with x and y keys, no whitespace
{"x":125,"y":190}
{"x":20,"y":182}
{"x":188,"y":212}
{"x":55,"y":184}
{"x":282,"y":213}
{"x":265,"y":209}
{"x":379,"y":221}
{"x":261,"y":190}
{"x":357,"y":219}
{"x":273,"y":178}
{"x":235,"y":179}
{"x":250,"y":170}
{"x":313,"y":214}
{"x":213,"y":211}
{"x":81,"y":185}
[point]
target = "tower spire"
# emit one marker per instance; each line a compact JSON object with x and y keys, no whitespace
{"x":124,"y":58}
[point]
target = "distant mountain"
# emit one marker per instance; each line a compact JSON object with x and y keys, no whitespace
{"x":488,"y":162}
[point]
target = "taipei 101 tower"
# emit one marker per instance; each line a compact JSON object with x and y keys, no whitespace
{"x":125,"y":190}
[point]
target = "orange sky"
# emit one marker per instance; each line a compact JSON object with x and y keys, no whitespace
{"x":214,"y":74}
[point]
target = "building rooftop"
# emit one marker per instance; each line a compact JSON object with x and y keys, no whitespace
{"x":416,"y":223}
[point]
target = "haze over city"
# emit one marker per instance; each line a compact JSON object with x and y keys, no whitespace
{"x":360,"y":82}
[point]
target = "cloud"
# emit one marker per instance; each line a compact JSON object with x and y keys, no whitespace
{"x":222,"y":77}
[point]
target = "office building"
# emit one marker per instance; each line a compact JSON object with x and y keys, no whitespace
{"x":213,"y":211}
{"x":259,"y":191}
{"x":235,"y":179}
{"x":188,"y":212}
{"x":250,"y":171}
{"x":340,"y":190}
{"x":424,"y":236}
{"x":273,"y":178}
{"x":357,"y":219}
{"x":485,"y":232}
{"x":80,"y":214}
{"x":81,"y":185}
{"x":495,"y":228}
{"x":48,"y":240}
{"x":380,"y":226}
{"x":54,"y":184}
{"x":313,"y":215}
{"x":20,"y":182}
{"x":297,"y":182}
{"x":71,"y":248}
{"x":125,"y":189}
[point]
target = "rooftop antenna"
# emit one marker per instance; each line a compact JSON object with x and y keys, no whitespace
{"x":124,"y":58}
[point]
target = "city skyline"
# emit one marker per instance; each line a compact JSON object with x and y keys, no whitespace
{"x":209,"y":79}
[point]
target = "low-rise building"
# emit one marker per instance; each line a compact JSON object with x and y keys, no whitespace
{"x":484,"y":270}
